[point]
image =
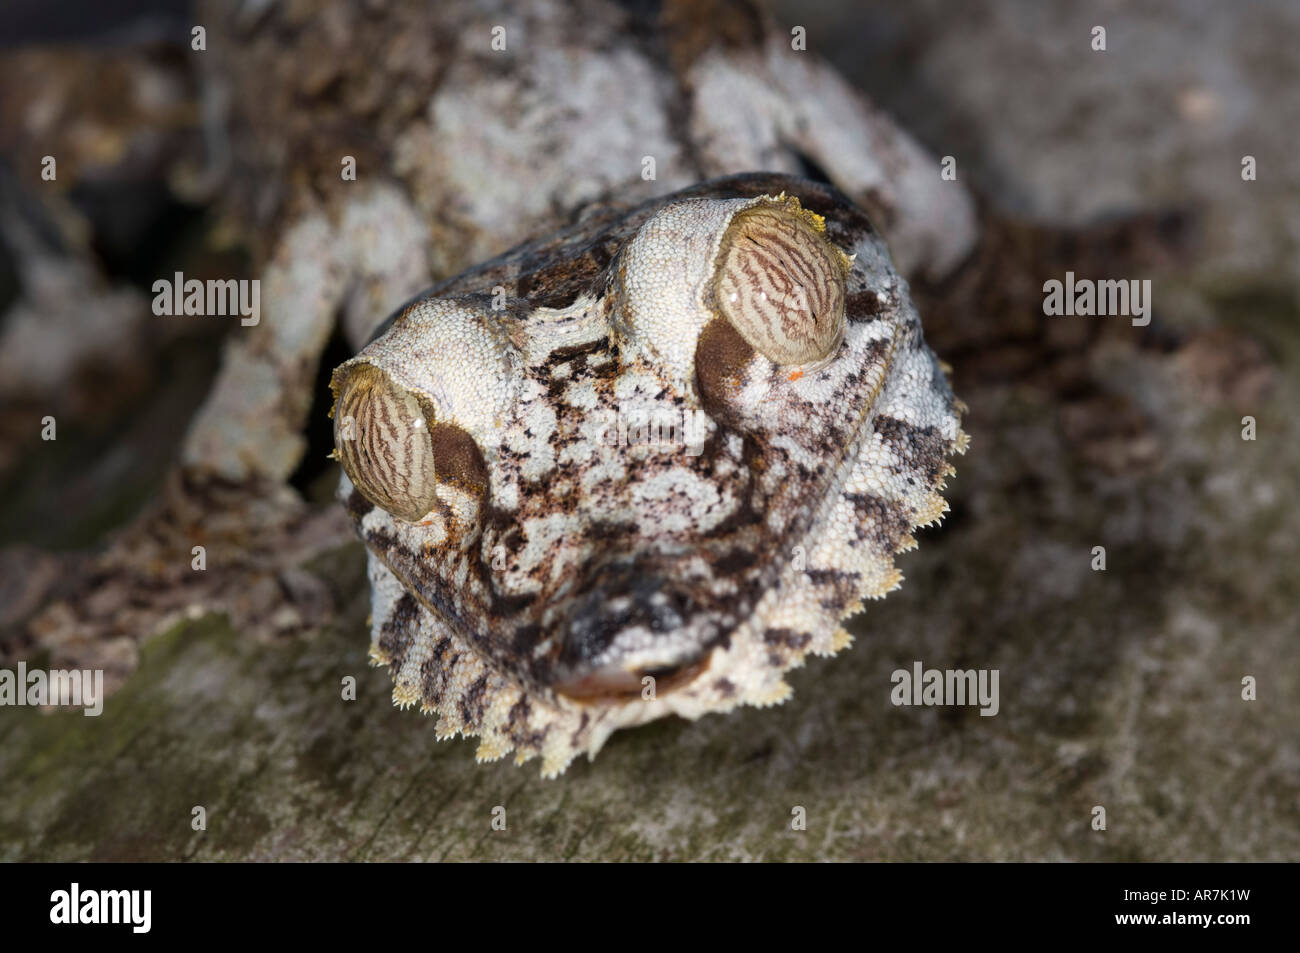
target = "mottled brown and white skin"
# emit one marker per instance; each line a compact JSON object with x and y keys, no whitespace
{"x":643,"y":466}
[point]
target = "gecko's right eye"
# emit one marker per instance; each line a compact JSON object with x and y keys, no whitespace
{"x":780,"y":283}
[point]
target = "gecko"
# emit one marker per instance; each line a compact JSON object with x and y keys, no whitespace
{"x":540,"y":579}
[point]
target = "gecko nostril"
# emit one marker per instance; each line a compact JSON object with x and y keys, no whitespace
{"x":621,"y":604}
{"x":622,"y":630}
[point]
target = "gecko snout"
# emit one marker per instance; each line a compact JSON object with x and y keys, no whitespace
{"x":634,"y":623}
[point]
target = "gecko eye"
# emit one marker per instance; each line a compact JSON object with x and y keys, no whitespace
{"x":411,"y":408}
{"x":382,"y":437}
{"x":780,"y":283}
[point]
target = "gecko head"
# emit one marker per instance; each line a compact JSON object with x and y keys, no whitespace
{"x":596,"y":461}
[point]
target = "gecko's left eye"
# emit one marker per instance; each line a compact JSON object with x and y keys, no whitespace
{"x":780,"y":283}
{"x":413,"y":408}
{"x":382,"y":436}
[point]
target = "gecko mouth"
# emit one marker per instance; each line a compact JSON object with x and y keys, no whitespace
{"x":617,"y":685}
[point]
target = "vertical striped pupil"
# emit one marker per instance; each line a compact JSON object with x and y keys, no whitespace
{"x":780,"y":283}
{"x":382,"y":437}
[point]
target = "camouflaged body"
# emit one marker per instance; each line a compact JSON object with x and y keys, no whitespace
{"x":566,"y":539}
